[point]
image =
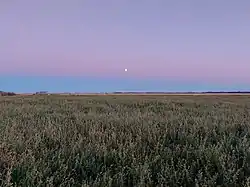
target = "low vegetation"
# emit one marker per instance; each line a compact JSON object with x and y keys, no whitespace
{"x":49,"y":140}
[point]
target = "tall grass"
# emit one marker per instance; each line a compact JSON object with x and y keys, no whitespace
{"x":125,"y":141}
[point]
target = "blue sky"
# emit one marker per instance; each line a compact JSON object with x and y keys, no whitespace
{"x":31,"y":84}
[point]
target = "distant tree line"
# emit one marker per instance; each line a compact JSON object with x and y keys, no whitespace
{"x":2,"y":93}
{"x":41,"y":93}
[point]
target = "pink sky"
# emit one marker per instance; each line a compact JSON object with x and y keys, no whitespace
{"x":184,"y":39}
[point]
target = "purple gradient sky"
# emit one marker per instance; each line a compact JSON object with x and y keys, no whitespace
{"x":209,"y":40}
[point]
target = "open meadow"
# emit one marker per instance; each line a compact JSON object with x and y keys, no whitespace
{"x":119,"y":140}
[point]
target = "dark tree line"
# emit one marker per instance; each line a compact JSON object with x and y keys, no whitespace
{"x":2,"y":93}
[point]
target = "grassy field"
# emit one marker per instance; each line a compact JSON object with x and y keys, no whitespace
{"x":125,"y":140}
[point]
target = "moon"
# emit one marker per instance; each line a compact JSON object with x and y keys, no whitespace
{"x":125,"y":69}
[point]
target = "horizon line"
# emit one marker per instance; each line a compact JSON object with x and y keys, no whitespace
{"x":128,"y":92}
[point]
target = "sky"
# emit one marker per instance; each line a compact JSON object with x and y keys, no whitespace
{"x":85,"y":45}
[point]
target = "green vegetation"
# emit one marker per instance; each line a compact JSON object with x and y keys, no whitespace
{"x":51,"y":140}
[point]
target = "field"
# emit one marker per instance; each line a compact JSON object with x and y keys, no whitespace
{"x":119,"y":140}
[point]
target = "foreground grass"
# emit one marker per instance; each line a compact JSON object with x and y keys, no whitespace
{"x":125,"y":141}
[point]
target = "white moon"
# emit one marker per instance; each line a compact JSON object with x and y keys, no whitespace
{"x":125,"y":69}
